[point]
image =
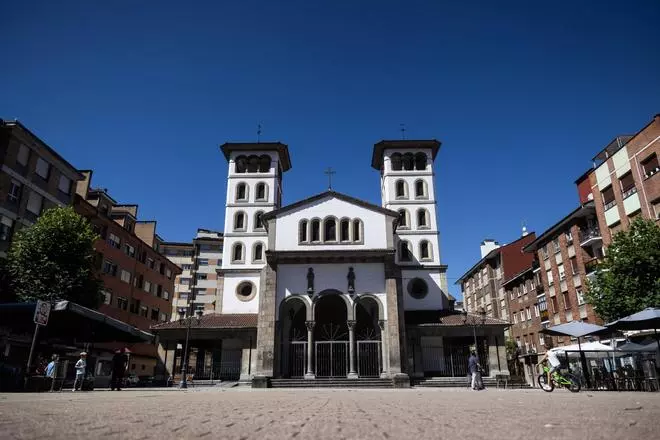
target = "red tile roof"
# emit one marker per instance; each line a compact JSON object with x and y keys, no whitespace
{"x":213,"y":320}
{"x":447,"y":318}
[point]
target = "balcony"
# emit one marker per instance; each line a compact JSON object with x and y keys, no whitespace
{"x":590,"y":236}
{"x":590,"y":266}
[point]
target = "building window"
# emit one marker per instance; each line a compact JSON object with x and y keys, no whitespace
{"x":395,"y":159}
{"x":627,"y":185}
{"x":14,"y":194}
{"x":417,"y":288}
{"x":261,"y":192}
{"x":344,"y":230}
{"x":580,"y":297}
{"x":184,"y":281}
{"x":23,"y":155}
{"x":425,"y":250}
{"x":550,"y":279}
{"x":5,"y":228}
{"x":166,"y":295}
{"x":544,"y":252}
{"x":421,"y":190}
{"x":422,"y":218}
{"x":239,"y":221}
{"x":246,"y":291}
{"x":404,"y":218}
{"x":555,"y":245}
{"x":64,"y":185}
{"x":201,"y":277}
{"x":122,"y":303}
{"x":408,"y":162}
{"x":608,"y":197}
{"x":536,"y":310}
{"x":168,"y":274}
{"x":129,"y":250}
{"x":401,"y":189}
{"x":186,"y":266}
{"x":567,"y":301}
{"x":154,"y":314}
{"x":238,"y":253}
{"x":144,"y":311}
{"x":316,"y":230}
{"x":43,"y":169}
{"x":562,"y":272}
{"x":35,"y":203}
{"x":330,"y":229}
{"x":420,"y":161}
{"x":147,"y":286}
{"x":651,"y":165}
{"x":357,"y":230}
{"x":528,"y":313}
{"x":202,"y":262}
{"x":264,"y":163}
{"x":404,"y":253}
{"x":524,"y":287}
{"x":302,"y":231}
{"x":163,"y":317}
{"x":109,"y":268}
{"x":574,"y":266}
{"x":106,"y":294}
{"x":114,"y":241}
{"x":258,"y":253}
{"x":515,"y":318}
{"x":241,"y":192}
{"x":125,"y":276}
{"x":569,"y":237}
{"x":258,"y":220}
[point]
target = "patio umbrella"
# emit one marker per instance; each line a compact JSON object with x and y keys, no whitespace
{"x":647,"y":319}
{"x":577,"y":329}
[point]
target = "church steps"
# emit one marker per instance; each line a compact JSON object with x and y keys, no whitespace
{"x":332,"y":383}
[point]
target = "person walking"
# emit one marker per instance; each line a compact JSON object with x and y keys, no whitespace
{"x":474,"y":369}
{"x":119,"y":366}
{"x":81,"y":366}
{"x":51,"y":371}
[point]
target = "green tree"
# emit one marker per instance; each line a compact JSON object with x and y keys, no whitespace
{"x":628,"y":279}
{"x":55,"y":260}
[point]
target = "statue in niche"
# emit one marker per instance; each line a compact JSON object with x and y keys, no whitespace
{"x":310,"y":281}
{"x":351,"y":280}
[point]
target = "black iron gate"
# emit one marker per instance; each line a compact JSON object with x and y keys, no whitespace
{"x":297,"y":358}
{"x":331,"y":358}
{"x":369,"y":358}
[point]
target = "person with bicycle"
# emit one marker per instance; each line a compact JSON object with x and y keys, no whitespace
{"x":552,"y":356}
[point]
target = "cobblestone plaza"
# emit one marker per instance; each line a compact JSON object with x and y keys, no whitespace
{"x":329,"y":414}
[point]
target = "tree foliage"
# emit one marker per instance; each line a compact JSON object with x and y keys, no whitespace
{"x":628,"y":279}
{"x":55,"y":260}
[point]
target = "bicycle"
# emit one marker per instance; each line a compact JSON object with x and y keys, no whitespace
{"x":568,"y":380}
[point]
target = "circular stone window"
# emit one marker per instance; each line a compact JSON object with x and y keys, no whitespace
{"x":246,"y":291}
{"x":417,"y":288}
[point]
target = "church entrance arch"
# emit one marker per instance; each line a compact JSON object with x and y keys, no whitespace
{"x":369,"y":336}
{"x":294,"y":316}
{"x":331,"y":334}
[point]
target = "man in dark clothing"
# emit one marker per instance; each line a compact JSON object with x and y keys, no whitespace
{"x":475,"y":371}
{"x":119,"y":365}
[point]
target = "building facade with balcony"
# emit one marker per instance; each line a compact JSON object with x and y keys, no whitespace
{"x":138,"y":280}
{"x":567,"y":253}
{"x":33,"y":177}
{"x":625,"y":182}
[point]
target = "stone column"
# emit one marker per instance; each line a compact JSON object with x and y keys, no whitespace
{"x":266,"y":327}
{"x":310,"y":350}
{"x":352,"y":374}
{"x":396,"y":326}
{"x":384,"y":372}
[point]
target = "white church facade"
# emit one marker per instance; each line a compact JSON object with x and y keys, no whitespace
{"x":332,"y":286}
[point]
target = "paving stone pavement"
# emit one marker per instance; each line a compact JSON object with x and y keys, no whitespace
{"x":330,"y":414}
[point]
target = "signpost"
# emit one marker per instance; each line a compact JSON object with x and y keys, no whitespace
{"x":41,"y":314}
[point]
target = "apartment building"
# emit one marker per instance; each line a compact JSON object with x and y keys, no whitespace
{"x":138,"y":280}
{"x":625,"y":182}
{"x":482,"y":283}
{"x":33,"y":177}
{"x":199,"y":261}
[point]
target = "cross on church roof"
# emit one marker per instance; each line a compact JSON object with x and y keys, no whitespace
{"x":329,"y":173}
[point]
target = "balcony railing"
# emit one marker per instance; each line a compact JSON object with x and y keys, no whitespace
{"x":629,"y":192}
{"x":591,"y":265}
{"x":589,"y":234}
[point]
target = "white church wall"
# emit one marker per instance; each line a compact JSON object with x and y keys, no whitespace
{"x":373,"y":231}
{"x":414,"y":241}
{"x":230,"y":300}
{"x":369,"y":278}
{"x":434,"y":300}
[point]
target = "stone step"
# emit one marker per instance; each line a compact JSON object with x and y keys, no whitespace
{"x":331,"y":383}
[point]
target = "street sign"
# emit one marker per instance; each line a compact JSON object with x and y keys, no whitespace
{"x":41,"y":313}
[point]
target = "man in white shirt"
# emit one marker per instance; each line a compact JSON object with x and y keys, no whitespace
{"x":552,"y":356}
{"x":81,"y":366}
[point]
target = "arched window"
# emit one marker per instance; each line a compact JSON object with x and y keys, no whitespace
{"x":316,"y":230}
{"x":357,"y":230}
{"x":241,"y":164}
{"x":237,"y":253}
{"x":258,"y":221}
{"x":241,"y":192}
{"x":425,"y":250}
{"x":404,"y":251}
{"x":401,"y":189}
{"x":408,"y":162}
{"x":239,"y":221}
{"x":261,"y":192}
{"x":404,"y":218}
{"x":253,"y":164}
{"x":264,"y":163}
{"x":420,"y":161}
{"x":302,"y":231}
{"x":344,"y":228}
{"x":330,"y":229}
{"x":422,"y":218}
{"x":258,"y":252}
{"x":396,"y":161}
{"x":420,"y":189}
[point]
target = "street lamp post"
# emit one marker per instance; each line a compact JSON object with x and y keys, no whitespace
{"x":475,"y":322}
{"x":189,"y":316}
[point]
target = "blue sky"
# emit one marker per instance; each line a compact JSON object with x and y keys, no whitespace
{"x":522,"y":95}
